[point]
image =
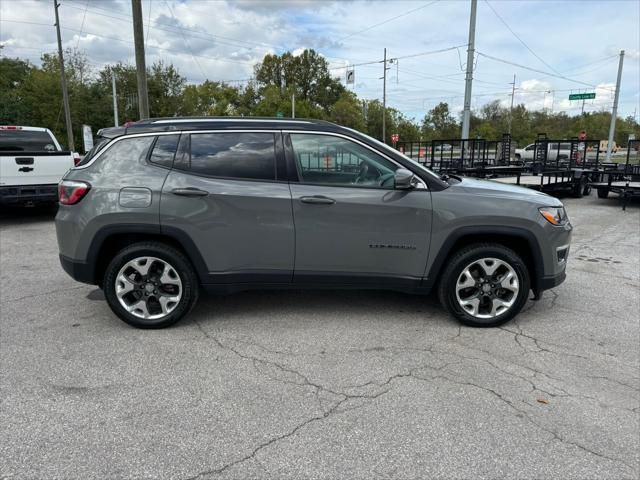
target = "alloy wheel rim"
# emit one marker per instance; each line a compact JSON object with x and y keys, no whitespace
{"x":487,"y":288}
{"x":148,"y":288}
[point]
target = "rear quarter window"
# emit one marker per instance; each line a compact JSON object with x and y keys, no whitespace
{"x":26,"y":141}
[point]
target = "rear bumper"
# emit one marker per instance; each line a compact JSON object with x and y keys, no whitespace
{"x":25,"y":194}
{"x":79,"y":271}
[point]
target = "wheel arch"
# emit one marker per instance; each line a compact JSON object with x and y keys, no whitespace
{"x":111,"y":239}
{"x":520,"y":240}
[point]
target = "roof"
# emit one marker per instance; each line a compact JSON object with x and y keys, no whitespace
{"x":224,"y":123}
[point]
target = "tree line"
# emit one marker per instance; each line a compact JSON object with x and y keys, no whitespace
{"x":31,"y":95}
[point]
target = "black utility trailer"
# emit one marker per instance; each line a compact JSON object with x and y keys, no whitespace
{"x":622,"y":179}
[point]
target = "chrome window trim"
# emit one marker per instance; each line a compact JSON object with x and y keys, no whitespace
{"x":420,"y":185}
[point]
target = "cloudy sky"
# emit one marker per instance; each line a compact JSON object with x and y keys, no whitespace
{"x":566,"y":46}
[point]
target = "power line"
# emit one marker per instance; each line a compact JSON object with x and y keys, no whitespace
{"x":432,"y":52}
{"x":186,"y":43}
{"x":519,"y":39}
{"x":387,"y":21}
{"x":535,"y":70}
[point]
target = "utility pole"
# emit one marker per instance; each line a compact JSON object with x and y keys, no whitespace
{"x":293,"y":105}
{"x":466,"y":115}
{"x":513,"y":92}
{"x":614,"y":113}
{"x":138,"y":40}
{"x":384,"y":99}
{"x":63,"y":80}
{"x":115,"y":98}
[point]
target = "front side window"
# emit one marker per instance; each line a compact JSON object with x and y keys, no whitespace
{"x":232,"y":155}
{"x":330,"y":160}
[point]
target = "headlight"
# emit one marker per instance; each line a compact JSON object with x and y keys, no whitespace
{"x":554,"y":215}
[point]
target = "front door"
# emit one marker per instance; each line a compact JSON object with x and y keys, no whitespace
{"x":352,"y":226}
{"x":224,"y":195}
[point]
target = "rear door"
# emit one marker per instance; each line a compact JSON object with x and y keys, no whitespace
{"x":31,"y":157}
{"x":352,"y":226}
{"x":226,"y":195}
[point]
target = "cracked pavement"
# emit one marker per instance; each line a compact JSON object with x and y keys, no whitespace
{"x":323,"y":384}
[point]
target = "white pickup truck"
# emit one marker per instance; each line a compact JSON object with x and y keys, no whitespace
{"x":31,"y":165}
{"x":555,"y":150}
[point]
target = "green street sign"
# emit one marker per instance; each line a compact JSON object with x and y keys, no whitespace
{"x":279,"y":115}
{"x":582,"y":96}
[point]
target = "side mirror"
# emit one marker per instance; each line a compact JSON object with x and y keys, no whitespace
{"x":403,"y":179}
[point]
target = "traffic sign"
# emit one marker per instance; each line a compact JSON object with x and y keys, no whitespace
{"x":279,"y":115}
{"x":395,"y":137}
{"x":582,"y":96}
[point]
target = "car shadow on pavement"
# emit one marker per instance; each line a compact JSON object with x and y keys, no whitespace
{"x":305,"y":303}
{"x":17,"y":215}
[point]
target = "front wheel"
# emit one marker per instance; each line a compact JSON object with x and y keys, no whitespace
{"x":150,"y":285}
{"x":484,"y":285}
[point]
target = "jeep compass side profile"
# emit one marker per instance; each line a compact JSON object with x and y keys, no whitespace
{"x":164,"y":208}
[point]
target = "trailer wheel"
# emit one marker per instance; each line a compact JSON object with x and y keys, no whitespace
{"x":603,"y":192}
{"x":587,"y":190}
{"x":578,"y":190}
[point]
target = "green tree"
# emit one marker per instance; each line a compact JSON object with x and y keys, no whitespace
{"x":439,"y":123}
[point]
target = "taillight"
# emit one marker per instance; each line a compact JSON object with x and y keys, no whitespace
{"x":71,"y":192}
{"x":76,"y":160}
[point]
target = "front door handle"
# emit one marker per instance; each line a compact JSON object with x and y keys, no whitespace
{"x":190,"y":192}
{"x":318,"y":200}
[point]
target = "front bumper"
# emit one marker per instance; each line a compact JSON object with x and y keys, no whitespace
{"x":552,"y":281}
{"x":28,"y":194}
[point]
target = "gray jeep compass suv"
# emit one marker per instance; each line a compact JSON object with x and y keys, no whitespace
{"x":163,"y":208}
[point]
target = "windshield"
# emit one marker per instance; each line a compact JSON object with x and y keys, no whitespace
{"x":26,"y":141}
{"x":384,"y":146}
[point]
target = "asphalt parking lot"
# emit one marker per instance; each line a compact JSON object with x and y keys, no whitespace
{"x":323,"y":384}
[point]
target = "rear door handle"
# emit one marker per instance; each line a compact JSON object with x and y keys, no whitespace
{"x":189,"y":192}
{"x":318,"y":200}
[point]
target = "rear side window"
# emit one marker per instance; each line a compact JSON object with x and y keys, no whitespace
{"x":125,"y":156}
{"x":232,"y":155}
{"x":26,"y":141}
{"x":164,"y":150}
{"x":99,"y":145}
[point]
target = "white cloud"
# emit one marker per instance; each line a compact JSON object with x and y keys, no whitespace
{"x":221,"y":40}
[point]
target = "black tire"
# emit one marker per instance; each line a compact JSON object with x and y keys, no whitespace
{"x":467,"y":255}
{"x":603,"y":192}
{"x":176,"y":259}
{"x":580,"y":187}
{"x":587,"y":190}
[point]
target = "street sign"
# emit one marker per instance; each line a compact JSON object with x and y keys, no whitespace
{"x":87,"y":137}
{"x":351,"y":76}
{"x":280,"y":115}
{"x":582,"y":96}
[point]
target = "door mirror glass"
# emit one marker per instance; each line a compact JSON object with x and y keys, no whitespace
{"x":403,"y":179}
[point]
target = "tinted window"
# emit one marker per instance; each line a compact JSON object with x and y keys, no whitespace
{"x":235,"y":155}
{"x":26,"y":141}
{"x":164,"y":150}
{"x":335,"y":160}
{"x":101,"y":142}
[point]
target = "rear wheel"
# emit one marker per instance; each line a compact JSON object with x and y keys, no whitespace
{"x":150,"y":285}
{"x":484,"y":285}
{"x":603,"y":192}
